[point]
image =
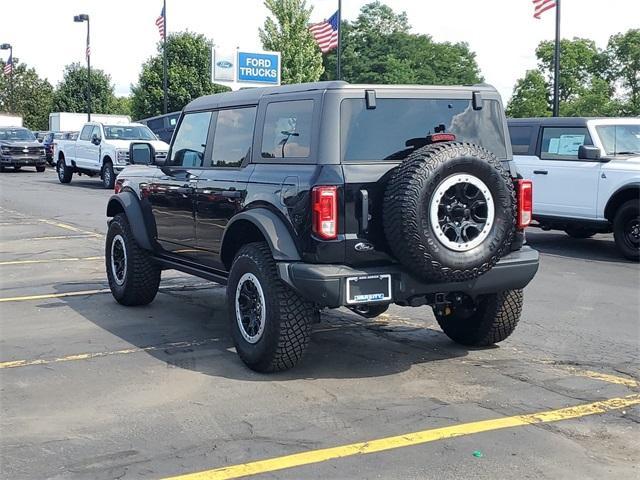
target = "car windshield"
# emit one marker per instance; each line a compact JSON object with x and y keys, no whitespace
{"x":620,"y":139}
{"x":128,"y":132}
{"x":17,"y":134}
{"x":396,"y":125}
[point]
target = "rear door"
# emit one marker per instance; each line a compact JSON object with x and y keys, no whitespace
{"x":172,"y":193}
{"x":221,"y":186}
{"x":81,"y":153}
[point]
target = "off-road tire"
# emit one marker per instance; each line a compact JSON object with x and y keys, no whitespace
{"x":627,"y":212}
{"x":108,"y":176}
{"x":580,"y":233}
{"x":142,"y":274}
{"x":494,"y":319}
{"x":41,"y":169}
{"x":407,"y":200}
{"x":64,"y":172}
{"x":288,"y":316}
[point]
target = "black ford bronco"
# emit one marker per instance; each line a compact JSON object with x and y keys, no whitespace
{"x":323,"y":195}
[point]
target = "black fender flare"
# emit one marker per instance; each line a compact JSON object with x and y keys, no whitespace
{"x":128,"y":203}
{"x":273,"y":229}
{"x":633,"y":186}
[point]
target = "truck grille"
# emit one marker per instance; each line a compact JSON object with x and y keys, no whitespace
{"x":24,"y":151}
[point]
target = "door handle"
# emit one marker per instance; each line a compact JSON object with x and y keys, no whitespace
{"x":540,"y":172}
{"x":231,"y":193}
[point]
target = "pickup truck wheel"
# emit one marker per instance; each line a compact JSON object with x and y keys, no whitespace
{"x":64,"y":172}
{"x":580,"y":233}
{"x":133,"y":275}
{"x":41,"y":169}
{"x":108,"y":176}
{"x":270,"y":323}
{"x":449,"y":211}
{"x":490,"y":320}
{"x":626,"y":230}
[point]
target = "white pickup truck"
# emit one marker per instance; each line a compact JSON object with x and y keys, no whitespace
{"x":102,"y":150}
{"x":585,"y":173}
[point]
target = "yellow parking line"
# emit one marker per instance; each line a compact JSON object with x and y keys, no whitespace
{"x":409,"y":439}
{"x":53,"y":295}
{"x":87,"y":356}
{"x":68,"y":227}
{"x":52,"y":260}
{"x":59,"y":237}
{"x":605,"y":377}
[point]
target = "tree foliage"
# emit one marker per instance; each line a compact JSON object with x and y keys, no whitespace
{"x":593,"y":82}
{"x":71,"y":93}
{"x":286,"y":31}
{"x":32,"y":96}
{"x":188,"y":76}
{"x":378,"y":47}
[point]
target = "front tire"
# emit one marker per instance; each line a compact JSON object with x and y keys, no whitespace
{"x":626,"y":230}
{"x":64,"y":173}
{"x":108,"y":176}
{"x":133,"y":275}
{"x":491,"y":320}
{"x":270,"y":323}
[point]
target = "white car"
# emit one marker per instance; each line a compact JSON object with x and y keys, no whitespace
{"x":103,"y":150}
{"x":586,"y":175}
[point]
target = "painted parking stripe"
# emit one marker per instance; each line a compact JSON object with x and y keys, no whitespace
{"x":605,"y":377}
{"x":58,"y":237}
{"x":67,"y":227}
{"x":88,"y":356}
{"x":51,"y":260}
{"x":409,"y":439}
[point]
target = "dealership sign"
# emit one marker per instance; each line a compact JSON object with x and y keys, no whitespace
{"x":239,"y":69}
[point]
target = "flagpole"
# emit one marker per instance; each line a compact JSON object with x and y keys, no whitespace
{"x":13,"y":63}
{"x":338,"y":66}
{"x":556,"y":66}
{"x":88,"y":52}
{"x":164,"y":55}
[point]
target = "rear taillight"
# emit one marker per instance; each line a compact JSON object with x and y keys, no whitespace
{"x":525,"y":203}
{"x":325,"y":212}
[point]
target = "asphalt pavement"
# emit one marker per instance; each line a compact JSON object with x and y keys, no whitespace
{"x":91,"y":389}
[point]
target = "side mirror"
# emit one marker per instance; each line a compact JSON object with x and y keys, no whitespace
{"x":142,"y":153}
{"x":95,"y":139}
{"x":587,"y":152}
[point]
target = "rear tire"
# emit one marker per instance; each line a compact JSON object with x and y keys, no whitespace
{"x":108,"y":176}
{"x":580,"y":233}
{"x":626,"y":230}
{"x":64,"y":173}
{"x":134,"y":277}
{"x":270,"y":323}
{"x":494,"y":318}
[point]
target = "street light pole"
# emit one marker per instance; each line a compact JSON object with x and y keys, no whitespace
{"x":85,"y":18}
{"x":7,"y":46}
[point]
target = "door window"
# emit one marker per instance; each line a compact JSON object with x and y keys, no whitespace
{"x":96,"y":132}
{"x":562,"y":143}
{"x":86,"y":132}
{"x":191,"y":140}
{"x":233,"y":137}
{"x":287,"y":129}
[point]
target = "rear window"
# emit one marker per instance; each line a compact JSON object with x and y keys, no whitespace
{"x":384,"y":133}
{"x":520,"y":139}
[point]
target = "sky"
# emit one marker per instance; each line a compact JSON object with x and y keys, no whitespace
{"x":502,"y":33}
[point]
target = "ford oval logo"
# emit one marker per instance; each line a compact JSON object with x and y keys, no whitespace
{"x":224,"y":64}
{"x":363,"y":247}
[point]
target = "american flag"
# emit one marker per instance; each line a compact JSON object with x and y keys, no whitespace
{"x":88,"y":51}
{"x":160,"y":23}
{"x":542,"y":6}
{"x":326,"y":33}
{"x":8,"y":67}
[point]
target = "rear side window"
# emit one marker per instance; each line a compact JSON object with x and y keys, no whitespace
{"x":520,"y":139}
{"x":562,"y":143}
{"x":386,"y":132}
{"x":86,"y":132}
{"x":190,"y":140}
{"x":233,"y":137}
{"x":155,"y":124}
{"x":287,"y":129}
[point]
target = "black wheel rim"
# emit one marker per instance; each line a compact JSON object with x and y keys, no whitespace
{"x":632,"y":233}
{"x":250,"y":308}
{"x":118,"y":259}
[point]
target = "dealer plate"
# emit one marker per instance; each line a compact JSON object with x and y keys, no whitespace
{"x":372,"y":288}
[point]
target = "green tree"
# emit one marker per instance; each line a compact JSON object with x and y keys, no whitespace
{"x":71,"y":93}
{"x":32,"y":96}
{"x":379,"y":48}
{"x":121,"y":106}
{"x":623,"y":55}
{"x":188,"y":76}
{"x":530,"y":97}
{"x":286,"y":30}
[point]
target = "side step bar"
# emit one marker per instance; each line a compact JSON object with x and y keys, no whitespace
{"x":192,"y":269}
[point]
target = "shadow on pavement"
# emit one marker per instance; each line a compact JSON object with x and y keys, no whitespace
{"x":600,"y":247}
{"x":343,"y":345}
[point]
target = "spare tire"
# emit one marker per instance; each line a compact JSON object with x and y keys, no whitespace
{"x":449,"y":211}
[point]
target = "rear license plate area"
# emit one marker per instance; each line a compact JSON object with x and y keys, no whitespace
{"x":369,"y":289}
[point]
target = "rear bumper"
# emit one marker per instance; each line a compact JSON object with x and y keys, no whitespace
{"x":326,"y":284}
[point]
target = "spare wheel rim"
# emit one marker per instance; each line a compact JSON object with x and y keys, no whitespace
{"x":461,"y":212}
